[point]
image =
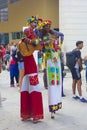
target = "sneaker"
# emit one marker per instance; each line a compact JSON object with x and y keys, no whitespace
{"x":83,"y":100}
{"x":76,"y":97}
{"x":63,"y":95}
{"x":12,"y":85}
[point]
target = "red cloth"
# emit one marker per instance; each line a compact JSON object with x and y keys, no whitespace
{"x":30,"y":65}
{"x":30,"y":108}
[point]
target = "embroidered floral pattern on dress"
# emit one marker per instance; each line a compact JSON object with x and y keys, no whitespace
{"x":56,"y":107}
{"x":34,"y":80}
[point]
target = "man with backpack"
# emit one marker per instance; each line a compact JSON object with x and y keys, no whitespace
{"x":76,"y":69}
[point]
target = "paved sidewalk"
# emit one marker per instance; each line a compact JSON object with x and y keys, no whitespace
{"x":72,"y":116}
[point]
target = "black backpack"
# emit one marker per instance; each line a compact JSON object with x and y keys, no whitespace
{"x":71,"y":58}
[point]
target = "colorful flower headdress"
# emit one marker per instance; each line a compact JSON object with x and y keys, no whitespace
{"x":33,"y":18}
{"x":45,"y":22}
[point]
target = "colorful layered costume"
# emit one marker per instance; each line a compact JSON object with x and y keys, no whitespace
{"x":54,"y":78}
{"x":53,"y":68}
{"x":31,"y":96}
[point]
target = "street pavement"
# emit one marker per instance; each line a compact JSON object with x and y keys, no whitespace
{"x":72,"y":116}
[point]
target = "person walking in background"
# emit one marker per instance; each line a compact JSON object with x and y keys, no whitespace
{"x":31,"y":96}
{"x":13,"y":68}
{"x":7,"y":56}
{"x":1,"y":61}
{"x":3,"y":53}
{"x":3,"y":50}
{"x":76,"y":73}
{"x":20,"y":62}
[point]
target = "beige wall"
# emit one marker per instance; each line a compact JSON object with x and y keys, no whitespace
{"x":73,"y":23}
{"x":21,"y":10}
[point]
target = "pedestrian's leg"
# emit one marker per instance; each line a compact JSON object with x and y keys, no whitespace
{"x":79,"y":83}
{"x":17,"y":80}
{"x":74,"y":86}
{"x":12,"y":81}
{"x":82,"y":99}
